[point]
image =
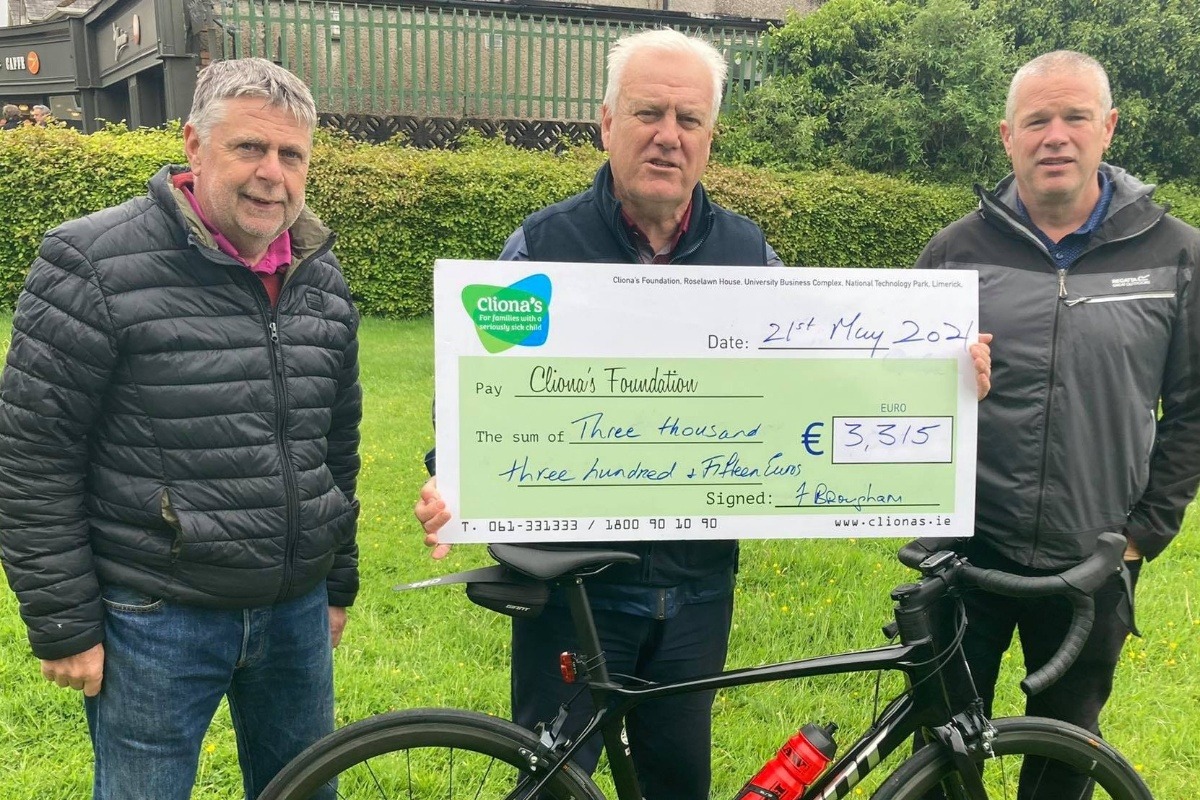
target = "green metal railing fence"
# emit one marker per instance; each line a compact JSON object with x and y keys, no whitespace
{"x":447,"y":61}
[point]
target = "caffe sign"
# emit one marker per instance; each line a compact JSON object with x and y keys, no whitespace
{"x":30,"y":62}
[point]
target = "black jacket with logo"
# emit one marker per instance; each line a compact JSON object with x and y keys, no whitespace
{"x":1070,"y":441}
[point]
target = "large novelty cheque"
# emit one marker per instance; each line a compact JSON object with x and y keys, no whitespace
{"x":592,"y":402}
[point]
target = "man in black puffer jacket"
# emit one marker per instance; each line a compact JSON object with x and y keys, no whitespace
{"x":179,"y":450}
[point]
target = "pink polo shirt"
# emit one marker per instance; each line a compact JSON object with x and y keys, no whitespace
{"x":270,"y":268}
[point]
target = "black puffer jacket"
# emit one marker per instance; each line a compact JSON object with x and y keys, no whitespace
{"x":163,"y":428}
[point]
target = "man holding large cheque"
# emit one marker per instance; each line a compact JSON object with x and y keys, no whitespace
{"x":668,"y":617}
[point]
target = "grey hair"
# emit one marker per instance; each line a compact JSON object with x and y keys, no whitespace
{"x":43,"y":109}
{"x":10,"y":110}
{"x":670,"y":41}
{"x":1068,"y":61}
{"x":221,"y":81}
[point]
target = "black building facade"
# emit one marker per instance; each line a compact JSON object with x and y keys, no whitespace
{"x":122,"y":60}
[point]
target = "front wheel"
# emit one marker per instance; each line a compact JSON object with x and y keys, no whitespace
{"x":1035,"y":759}
{"x":426,"y":754}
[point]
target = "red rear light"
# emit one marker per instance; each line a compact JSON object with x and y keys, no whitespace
{"x":566,"y":666}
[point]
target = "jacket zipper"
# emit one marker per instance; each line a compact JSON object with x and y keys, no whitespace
{"x":291,"y":494}
{"x":1118,"y":298}
{"x":279,"y":389}
{"x":1048,"y":416}
{"x":622,"y":237}
{"x":701,"y":239}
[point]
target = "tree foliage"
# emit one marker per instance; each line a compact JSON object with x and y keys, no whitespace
{"x":1151,"y":51}
{"x":918,"y":86}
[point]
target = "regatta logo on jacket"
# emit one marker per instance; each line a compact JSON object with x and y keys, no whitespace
{"x":1125,"y":283}
{"x":508,"y":316}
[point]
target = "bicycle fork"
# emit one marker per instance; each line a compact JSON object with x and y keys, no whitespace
{"x":925,"y":613}
{"x":967,"y":739}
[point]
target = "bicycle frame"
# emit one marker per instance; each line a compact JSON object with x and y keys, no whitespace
{"x":941,"y":696}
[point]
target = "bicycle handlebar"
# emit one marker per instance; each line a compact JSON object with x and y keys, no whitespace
{"x":1077,"y":584}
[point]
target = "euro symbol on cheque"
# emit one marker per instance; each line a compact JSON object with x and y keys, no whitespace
{"x":810,"y":439}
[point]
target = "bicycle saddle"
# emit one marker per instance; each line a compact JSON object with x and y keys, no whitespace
{"x":546,"y":564}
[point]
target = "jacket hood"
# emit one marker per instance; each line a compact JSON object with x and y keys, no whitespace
{"x":1129,"y":193}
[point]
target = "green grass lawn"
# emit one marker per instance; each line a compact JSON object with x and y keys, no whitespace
{"x":434,"y":648}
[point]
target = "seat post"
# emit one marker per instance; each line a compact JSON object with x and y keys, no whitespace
{"x":585,"y":629}
{"x":612,"y":728}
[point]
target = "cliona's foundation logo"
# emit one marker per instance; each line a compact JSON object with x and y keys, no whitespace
{"x":510,"y":316}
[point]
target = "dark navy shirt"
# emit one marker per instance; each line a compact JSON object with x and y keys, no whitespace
{"x":1067,"y":252}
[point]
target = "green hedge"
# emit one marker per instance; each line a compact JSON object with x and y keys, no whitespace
{"x":48,"y":175}
{"x":397,"y":209}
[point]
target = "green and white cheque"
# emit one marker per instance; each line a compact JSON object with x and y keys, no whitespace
{"x":594,"y":402}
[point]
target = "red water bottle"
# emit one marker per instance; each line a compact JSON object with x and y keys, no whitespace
{"x":794,"y":767}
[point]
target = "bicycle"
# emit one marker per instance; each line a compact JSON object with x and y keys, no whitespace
{"x":429,"y":753}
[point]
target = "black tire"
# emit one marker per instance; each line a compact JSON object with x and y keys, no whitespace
{"x":426,"y":754}
{"x":1048,"y":741}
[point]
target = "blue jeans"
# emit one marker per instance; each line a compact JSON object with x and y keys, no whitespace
{"x":166,"y":668}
